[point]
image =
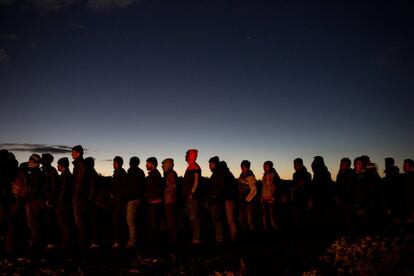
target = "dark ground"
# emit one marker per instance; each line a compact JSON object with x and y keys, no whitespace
{"x":264,"y":254}
{"x":281,"y":252}
{"x":252,"y":256}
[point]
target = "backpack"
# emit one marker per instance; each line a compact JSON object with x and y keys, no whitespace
{"x":19,"y":187}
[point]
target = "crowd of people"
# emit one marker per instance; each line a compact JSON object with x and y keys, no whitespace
{"x":44,"y":207}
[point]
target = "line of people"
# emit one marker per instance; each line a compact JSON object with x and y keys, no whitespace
{"x":145,"y":210}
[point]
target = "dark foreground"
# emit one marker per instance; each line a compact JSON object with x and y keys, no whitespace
{"x":264,"y":254}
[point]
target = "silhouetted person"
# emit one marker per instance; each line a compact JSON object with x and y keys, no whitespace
{"x":282,"y":203}
{"x":215,"y":197}
{"x":376,"y":208}
{"x":270,"y":176}
{"x":343,"y":186}
{"x":119,"y":194}
{"x":323,"y":197}
{"x":247,"y":191}
{"x":64,"y":190}
{"x":364,"y":194}
{"x":392,"y":190}
{"x":36,"y":201}
{"x":344,"y":190}
{"x":407,"y":205}
{"x":96,"y":202}
{"x":301,"y":193}
{"x":49,"y":178}
{"x":136,"y":186}
{"x":170,"y":200}
{"x":322,"y":184}
{"x":79,"y":193}
{"x":231,"y":195}
{"x":4,"y":190}
{"x":154,"y":194}
{"x":191,"y":192}
{"x":11,"y":204}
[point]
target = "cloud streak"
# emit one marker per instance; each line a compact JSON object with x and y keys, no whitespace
{"x":37,"y":148}
{"x":78,"y":26}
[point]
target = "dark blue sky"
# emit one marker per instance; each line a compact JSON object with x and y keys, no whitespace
{"x":239,"y":79}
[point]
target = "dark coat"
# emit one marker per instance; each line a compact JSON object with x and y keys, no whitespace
{"x":231,"y":186}
{"x":407,"y":202}
{"x":120,"y":186}
{"x":154,"y":187}
{"x":344,"y":187}
{"x":50,"y":178}
{"x":64,"y":189}
{"x":34,"y":182}
{"x":322,"y":188}
{"x":215,"y":188}
{"x":302,"y":188}
{"x":136,"y":184}
{"x":79,"y":189}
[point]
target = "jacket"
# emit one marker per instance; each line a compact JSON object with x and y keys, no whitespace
{"x":79,"y":191}
{"x":136,"y":184}
{"x":170,"y":192}
{"x":215,"y":189}
{"x":154,"y":187}
{"x":64,"y":189}
{"x":247,"y":187}
{"x":119,"y":185}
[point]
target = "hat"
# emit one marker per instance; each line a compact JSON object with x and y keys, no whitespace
{"x":64,"y":162}
{"x":47,"y":158}
{"x":35,"y":158}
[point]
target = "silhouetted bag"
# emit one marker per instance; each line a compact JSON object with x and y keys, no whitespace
{"x":19,"y":187}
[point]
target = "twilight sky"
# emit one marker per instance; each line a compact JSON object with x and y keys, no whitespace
{"x":238,"y":79}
